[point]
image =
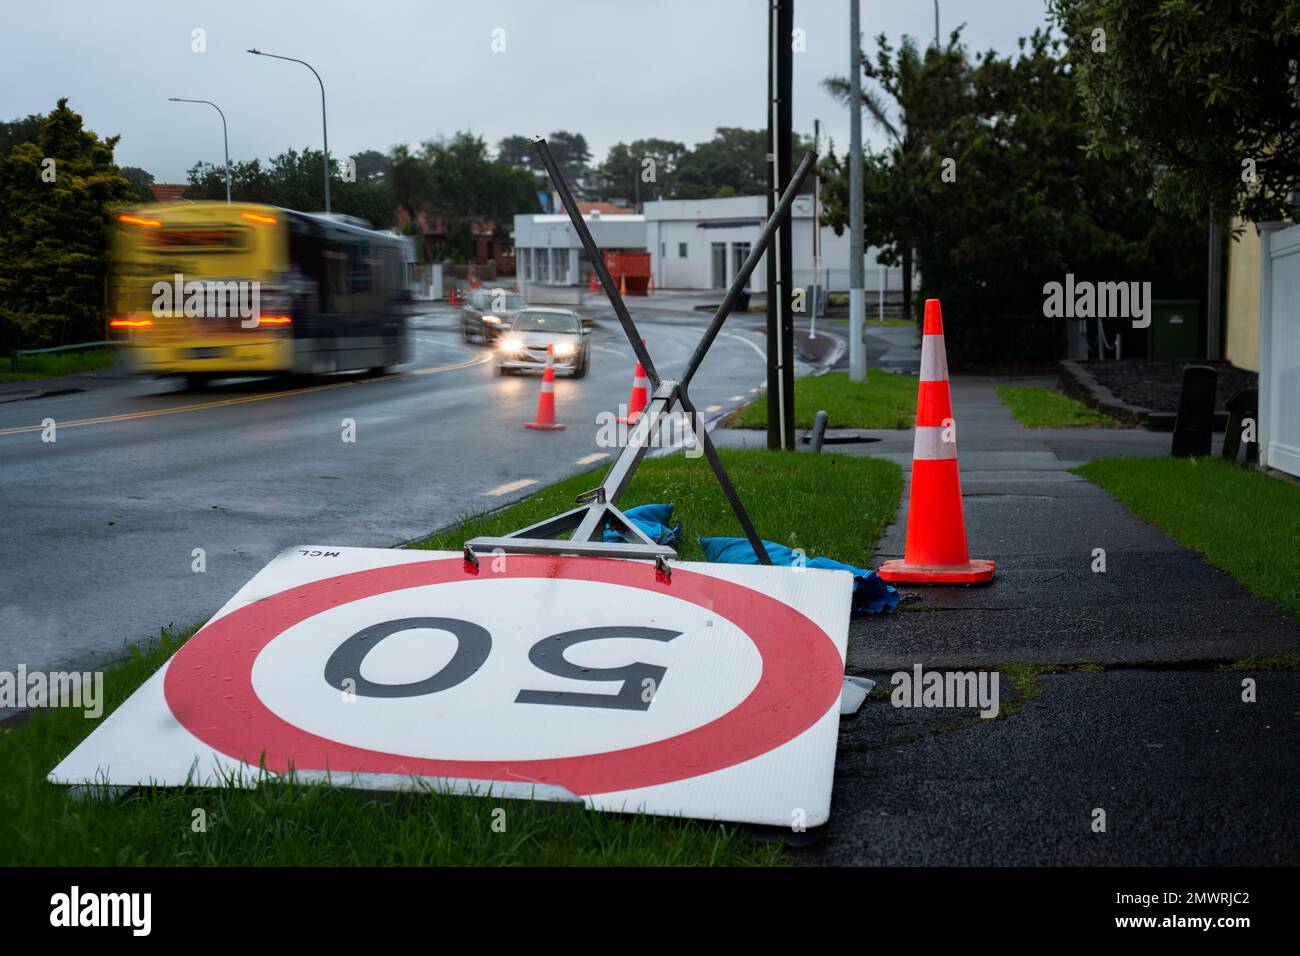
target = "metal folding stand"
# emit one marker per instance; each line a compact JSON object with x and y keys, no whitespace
{"x":598,"y":509}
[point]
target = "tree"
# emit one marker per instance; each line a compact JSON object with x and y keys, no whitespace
{"x":644,"y":170}
{"x":17,"y":131}
{"x":456,"y":181}
{"x":1203,"y":93}
{"x":925,"y":89}
{"x":999,"y":197}
{"x":734,"y":157}
{"x":370,"y":164}
{"x":293,"y":180}
{"x":140,"y":181}
{"x":571,"y":152}
{"x":519,"y":151}
{"x":57,"y":194}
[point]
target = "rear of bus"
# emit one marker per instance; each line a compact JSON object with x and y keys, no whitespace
{"x":222,"y":251}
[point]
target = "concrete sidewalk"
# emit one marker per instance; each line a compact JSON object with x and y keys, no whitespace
{"x":1186,"y":771}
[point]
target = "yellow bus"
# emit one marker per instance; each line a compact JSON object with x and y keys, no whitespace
{"x":211,"y":289}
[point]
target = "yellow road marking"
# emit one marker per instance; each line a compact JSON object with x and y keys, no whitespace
{"x":510,"y":486}
{"x":200,"y":406}
{"x":591,"y":459}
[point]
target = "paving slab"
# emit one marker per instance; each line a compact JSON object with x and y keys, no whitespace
{"x":1186,"y":772}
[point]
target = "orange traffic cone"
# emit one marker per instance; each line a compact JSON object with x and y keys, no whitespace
{"x":622,"y":285}
{"x":640,"y":394}
{"x":452,"y":299}
{"x":936,"y":526}
{"x":591,"y":286}
{"x":546,"y":400}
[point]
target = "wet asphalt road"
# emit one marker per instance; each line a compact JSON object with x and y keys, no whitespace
{"x":100,"y":526}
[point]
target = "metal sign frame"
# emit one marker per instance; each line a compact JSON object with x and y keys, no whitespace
{"x":598,"y":509}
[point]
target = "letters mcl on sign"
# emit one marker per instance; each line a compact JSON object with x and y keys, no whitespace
{"x":713,"y":693}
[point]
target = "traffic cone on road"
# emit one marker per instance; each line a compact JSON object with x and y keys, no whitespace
{"x":592,"y":286}
{"x":636,"y":403}
{"x":546,"y":400}
{"x":622,"y":285}
{"x":936,"y":525}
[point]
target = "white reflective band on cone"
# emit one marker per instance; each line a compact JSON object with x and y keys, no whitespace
{"x":934,"y":359}
{"x":930,"y":446}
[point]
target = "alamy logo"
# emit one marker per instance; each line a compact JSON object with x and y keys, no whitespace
{"x":960,"y":689}
{"x":103,"y":909}
{"x":211,"y":298}
{"x":671,"y":430}
{"x":23,"y":689}
{"x":1098,"y":300}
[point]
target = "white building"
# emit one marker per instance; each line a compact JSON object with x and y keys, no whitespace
{"x":701,"y":244}
{"x":550,"y":263}
{"x":694,"y":244}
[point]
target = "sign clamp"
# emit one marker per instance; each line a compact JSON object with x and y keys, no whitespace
{"x":598,"y":509}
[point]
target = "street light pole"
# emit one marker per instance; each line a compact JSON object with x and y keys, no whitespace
{"x":857,"y":281}
{"x":936,"y":24}
{"x":323,"y":127}
{"x":225,"y":139}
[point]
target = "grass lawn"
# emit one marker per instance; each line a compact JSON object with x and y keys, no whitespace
{"x":35,"y":367}
{"x":788,"y":495}
{"x":885,"y":400}
{"x":1239,"y":519}
{"x":1037,"y":407}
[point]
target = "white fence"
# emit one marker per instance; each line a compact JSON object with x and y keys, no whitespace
{"x":1279,"y":348}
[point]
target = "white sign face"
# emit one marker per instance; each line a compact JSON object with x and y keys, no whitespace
{"x":712,"y":693}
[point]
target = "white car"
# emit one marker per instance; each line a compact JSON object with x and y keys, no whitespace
{"x":523,"y":345}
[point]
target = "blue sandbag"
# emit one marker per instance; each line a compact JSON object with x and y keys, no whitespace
{"x":653,"y":520}
{"x":871,"y":594}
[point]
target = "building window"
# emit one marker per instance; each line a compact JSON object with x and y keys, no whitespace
{"x":739,"y":253}
{"x":681,"y":250}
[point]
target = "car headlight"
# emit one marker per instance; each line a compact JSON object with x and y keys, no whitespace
{"x":494,"y":320}
{"x":511,"y":344}
{"x":564,"y":349}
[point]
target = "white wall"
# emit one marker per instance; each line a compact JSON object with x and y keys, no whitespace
{"x":1279,"y":349}
{"x":739,"y":219}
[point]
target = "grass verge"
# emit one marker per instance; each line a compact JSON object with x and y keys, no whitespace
{"x":1037,"y":407}
{"x":885,"y":400}
{"x":33,"y":368}
{"x":828,"y":504}
{"x":1238,"y":519}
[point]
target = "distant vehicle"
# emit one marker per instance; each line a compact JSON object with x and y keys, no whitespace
{"x":487,"y":312}
{"x":523,"y":345}
{"x":212,"y":289}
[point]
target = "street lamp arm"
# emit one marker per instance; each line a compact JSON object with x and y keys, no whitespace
{"x":323,"y":125}
{"x":225,"y":136}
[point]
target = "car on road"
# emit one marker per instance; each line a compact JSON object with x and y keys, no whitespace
{"x":523,"y":344}
{"x":487,"y":312}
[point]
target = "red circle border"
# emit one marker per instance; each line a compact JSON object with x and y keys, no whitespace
{"x":208,"y":683}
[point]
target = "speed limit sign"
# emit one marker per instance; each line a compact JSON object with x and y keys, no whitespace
{"x":712,"y":692}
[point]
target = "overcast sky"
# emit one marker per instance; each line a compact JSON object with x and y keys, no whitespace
{"x":406,"y":71}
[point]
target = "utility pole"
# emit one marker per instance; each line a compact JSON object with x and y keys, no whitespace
{"x":1213,"y":286}
{"x":780,"y":323}
{"x":857,"y":283}
{"x":817,"y":233}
